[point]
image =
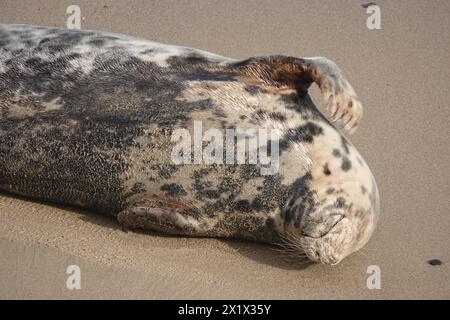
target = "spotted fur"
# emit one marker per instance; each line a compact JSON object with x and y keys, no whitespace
{"x":86,"y":120}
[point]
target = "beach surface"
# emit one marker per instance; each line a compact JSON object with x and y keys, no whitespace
{"x":401,"y":73}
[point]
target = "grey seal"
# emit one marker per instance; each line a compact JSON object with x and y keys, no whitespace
{"x":87,"y":119}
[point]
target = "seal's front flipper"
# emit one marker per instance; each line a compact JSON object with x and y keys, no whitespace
{"x":341,"y":100}
{"x":299,"y":73}
{"x":166,"y":220}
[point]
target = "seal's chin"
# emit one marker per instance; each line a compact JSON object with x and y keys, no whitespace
{"x":333,"y":246}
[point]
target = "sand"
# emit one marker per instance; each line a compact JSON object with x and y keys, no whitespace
{"x":401,"y":74}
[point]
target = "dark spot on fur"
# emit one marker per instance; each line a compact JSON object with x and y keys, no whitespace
{"x":304,"y":133}
{"x":174,"y":190}
{"x":243,"y":206}
{"x":191,"y":59}
{"x":336,"y":153}
{"x":138,"y":187}
{"x":326,"y":170}
{"x":253,"y":90}
{"x":302,"y":104}
{"x":219,"y":113}
{"x":192,"y":211}
{"x":28,"y":43}
{"x":363,"y":190}
{"x":258,"y":204}
{"x":257,"y":116}
{"x":270,"y":223}
{"x":97,"y":42}
{"x":212,"y":194}
{"x":148,"y":51}
{"x":196,"y":58}
{"x":301,"y":201}
{"x":346,"y":164}
{"x":72,"y":56}
{"x":165,"y":170}
{"x":340,"y":202}
{"x":277,"y":116}
{"x":33,"y":62}
{"x":330,"y":190}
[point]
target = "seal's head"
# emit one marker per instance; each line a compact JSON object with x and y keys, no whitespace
{"x":330,"y":232}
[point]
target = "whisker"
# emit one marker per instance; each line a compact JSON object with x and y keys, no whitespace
{"x":363,"y":254}
{"x":290,"y":248}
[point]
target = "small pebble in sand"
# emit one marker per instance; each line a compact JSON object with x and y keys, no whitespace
{"x":435,"y":262}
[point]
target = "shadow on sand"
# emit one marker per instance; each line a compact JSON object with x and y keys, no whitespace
{"x":260,"y":252}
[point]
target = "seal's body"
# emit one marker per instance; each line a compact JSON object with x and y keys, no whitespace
{"x":87,"y":119}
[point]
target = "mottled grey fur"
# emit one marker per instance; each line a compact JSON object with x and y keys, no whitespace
{"x":86,"y":120}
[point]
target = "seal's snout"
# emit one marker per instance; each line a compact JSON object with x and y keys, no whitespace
{"x":325,"y":239}
{"x":326,"y":235}
{"x":334,"y":245}
{"x":330,"y":241}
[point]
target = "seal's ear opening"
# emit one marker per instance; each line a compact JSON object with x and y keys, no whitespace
{"x":284,"y":72}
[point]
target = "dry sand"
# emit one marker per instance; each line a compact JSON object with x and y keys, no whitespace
{"x":401,"y":73}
